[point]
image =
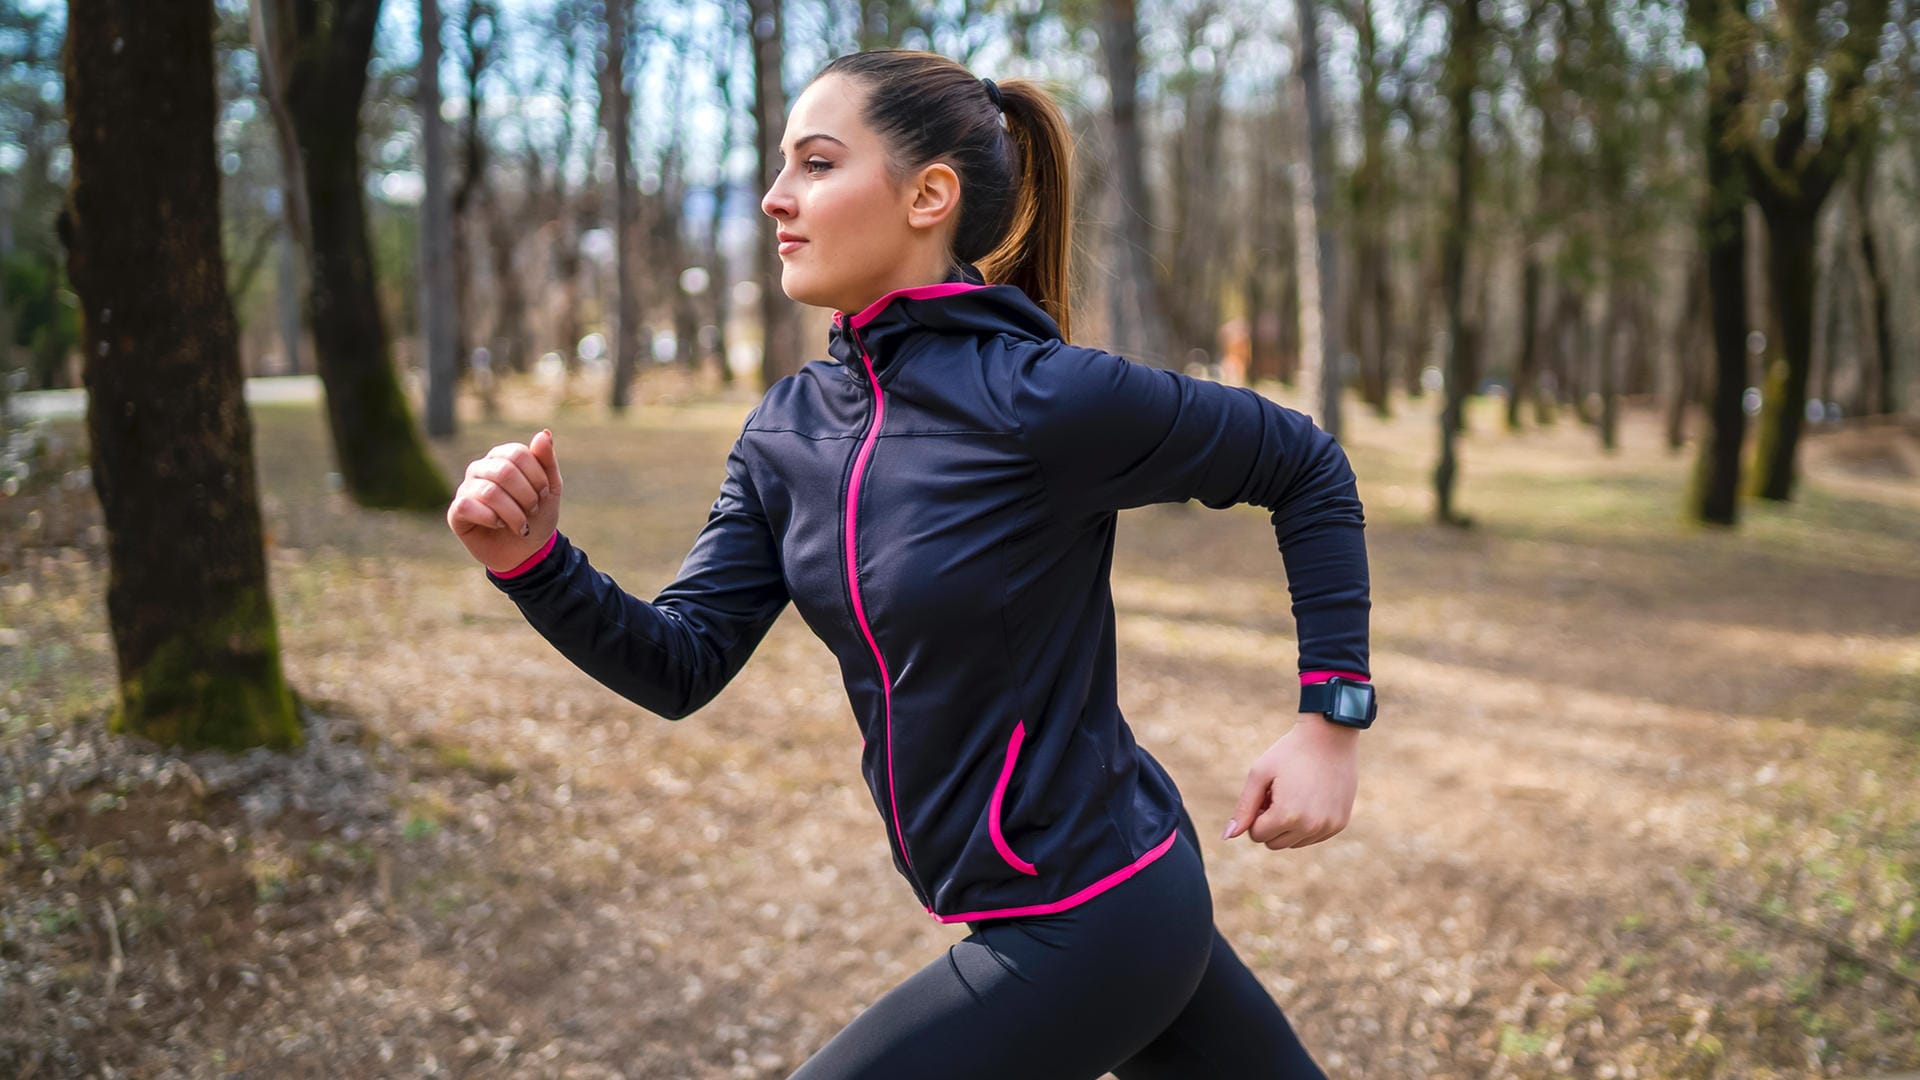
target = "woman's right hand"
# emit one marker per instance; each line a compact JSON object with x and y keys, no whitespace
{"x":508,"y":505}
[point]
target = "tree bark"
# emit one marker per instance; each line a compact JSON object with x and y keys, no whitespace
{"x":1791,"y":281}
{"x":1791,"y":175}
{"x":1462,"y":72}
{"x":188,"y":601}
{"x":1526,"y":365}
{"x":1140,"y":331}
{"x":1884,"y":400}
{"x":1320,"y":154}
{"x":316,"y":62}
{"x":1723,"y":239}
{"x":438,"y":347}
{"x":616,"y":103}
{"x":780,"y":348}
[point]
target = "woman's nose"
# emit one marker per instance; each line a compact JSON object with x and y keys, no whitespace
{"x":775,"y":203}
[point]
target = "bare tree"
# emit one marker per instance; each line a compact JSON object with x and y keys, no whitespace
{"x":1320,"y":155}
{"x":616,"y":103}
{"x":1139,"y":327}
{"x":1462,"y":71}
{"x":780,"y":349}
{"x":439,"y":344}
{"x":313,"y":57}
{"x":188,"y":602}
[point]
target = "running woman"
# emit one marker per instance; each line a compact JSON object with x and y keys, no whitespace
{"x":938,"y":501}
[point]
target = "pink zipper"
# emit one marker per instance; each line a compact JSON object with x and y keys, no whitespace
{"x":853,"y":584}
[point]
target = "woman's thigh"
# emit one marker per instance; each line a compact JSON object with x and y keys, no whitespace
{"x":1067,"y":996}
{"x":1231,"y":1026}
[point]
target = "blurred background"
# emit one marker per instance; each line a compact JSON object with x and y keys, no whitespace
{"x":1610,"y":302}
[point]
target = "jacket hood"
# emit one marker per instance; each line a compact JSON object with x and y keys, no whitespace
{"x":963,"y":304}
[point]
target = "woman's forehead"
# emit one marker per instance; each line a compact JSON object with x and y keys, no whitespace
{"x":829,"y":106}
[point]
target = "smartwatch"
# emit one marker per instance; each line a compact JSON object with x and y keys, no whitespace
{"x":1341,"y":700}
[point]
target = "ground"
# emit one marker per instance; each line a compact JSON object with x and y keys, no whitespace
{"x":1641,"y":801}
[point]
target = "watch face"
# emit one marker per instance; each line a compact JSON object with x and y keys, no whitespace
{"x":1352,"y":700}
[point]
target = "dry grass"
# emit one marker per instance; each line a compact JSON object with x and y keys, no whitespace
{"x":1642,"y":800}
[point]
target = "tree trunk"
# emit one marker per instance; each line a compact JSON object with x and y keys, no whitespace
{"x":780,"y":348}
{"x":1462,"y":63}
{"x":1607,"y":366}
{"x":1783,"y":403}
{"x":1140,"y":331}
{"x":316,"y":63}
{"x":626,"y":264}
{"x":1320,"y":154}
{"x":509,"y":336}
{"x":188,"y":602}
{"x":287,"y":299}
{"x":1723,"y":239}
{"x":438,"y":351}
{"x":1884,"y":400}
{"x":1525,"y":366}
{"x":1684,"y":379}
{"x":719,"y":278}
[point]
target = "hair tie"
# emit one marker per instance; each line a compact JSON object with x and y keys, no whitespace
{"x":994,"y":93}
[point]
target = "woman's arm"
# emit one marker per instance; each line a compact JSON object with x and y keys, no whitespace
{"x":672,"y":655}
{"x":1110,"y":433}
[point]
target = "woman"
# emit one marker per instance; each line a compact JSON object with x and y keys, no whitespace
{"x":938,"y":501}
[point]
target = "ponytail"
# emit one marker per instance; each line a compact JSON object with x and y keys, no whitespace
{"x":1010,"y":148}
{"x":1034,"y":253}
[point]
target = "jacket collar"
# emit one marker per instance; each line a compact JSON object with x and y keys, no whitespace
{"x":962,"y":304}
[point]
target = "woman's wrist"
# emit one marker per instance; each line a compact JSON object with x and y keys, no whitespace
{"x":1323,"y":728}
{"x":530,"y":561}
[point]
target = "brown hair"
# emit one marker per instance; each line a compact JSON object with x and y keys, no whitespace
{"x":1016,"y":209}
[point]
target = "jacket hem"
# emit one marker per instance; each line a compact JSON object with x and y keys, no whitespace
{"x":1076,"y":899}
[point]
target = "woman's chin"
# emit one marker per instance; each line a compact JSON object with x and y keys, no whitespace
{"x":799,"y":288}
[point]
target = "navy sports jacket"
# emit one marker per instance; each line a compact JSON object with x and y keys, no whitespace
{"x":938,"y":501}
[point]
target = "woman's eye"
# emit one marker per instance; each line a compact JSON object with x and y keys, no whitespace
{"x":815,"y":165}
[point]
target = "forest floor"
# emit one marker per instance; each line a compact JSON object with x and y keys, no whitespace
{"x":1642,"y":800}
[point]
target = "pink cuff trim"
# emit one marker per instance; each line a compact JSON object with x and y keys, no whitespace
{"x":533,"y":559}
{"x":917,"y":292}
{"x":1307,"y":677}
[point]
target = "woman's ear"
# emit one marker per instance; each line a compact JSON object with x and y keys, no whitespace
{"x":935,"y":196}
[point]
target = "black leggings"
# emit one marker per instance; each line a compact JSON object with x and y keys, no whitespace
{"x":1136,"y":981}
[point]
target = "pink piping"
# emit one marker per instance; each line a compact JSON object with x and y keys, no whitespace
{"x":533,"y":559}
{"x":1076,"y":899}
{"x":999,"y":793}
{"x":1307,"y":677}
{"x":916,"y":292}
{"x":853,"y":586}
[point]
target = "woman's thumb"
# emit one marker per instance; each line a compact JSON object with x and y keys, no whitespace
{"x":1253,"y":796}
{"x":542,"y":447}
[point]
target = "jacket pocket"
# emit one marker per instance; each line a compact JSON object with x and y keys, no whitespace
{"x":999,"y":795}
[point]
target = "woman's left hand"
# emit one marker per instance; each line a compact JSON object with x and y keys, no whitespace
{"x":1301,"y":790}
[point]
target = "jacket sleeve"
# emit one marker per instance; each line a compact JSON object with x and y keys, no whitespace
{"x":1109,"y":433}
{"x":672,"y":655}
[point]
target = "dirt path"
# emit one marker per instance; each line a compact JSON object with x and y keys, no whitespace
{"x":1611,"y":748}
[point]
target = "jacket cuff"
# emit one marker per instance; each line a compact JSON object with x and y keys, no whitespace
{"x":1309,"y":677}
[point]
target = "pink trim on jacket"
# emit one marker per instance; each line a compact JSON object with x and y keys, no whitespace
{"x":1000,"y":792}
{"x":1307,"y":677}
{"x":532,"y":560}
{"x":916,"y":292}
{"x":1076,"y":899}
{"x":853,"y":585}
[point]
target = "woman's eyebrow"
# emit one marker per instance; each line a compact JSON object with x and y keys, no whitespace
{"x":805,"y":139}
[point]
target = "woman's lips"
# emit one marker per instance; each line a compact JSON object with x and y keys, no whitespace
{"x":788,"y":247}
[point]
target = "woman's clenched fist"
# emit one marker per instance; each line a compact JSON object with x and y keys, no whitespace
{"x":508,"y":505}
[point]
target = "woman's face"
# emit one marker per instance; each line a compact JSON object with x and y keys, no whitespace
{"x":848,"y":233}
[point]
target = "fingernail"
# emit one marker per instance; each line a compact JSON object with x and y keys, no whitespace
{"x":545,"y":491}
{"x":526,"y":527}
{"x":1228,"y":835}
